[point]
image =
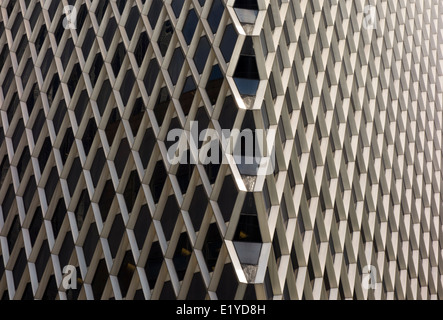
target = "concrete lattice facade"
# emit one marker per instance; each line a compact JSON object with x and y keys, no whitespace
{"x":351,"y":108}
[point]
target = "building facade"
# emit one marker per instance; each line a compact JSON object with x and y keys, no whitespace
{"x":221,"y":149}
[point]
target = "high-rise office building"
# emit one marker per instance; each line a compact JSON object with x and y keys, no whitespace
{"x":221,"y":149}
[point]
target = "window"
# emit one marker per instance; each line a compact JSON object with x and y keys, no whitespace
{"x":190,"y":26}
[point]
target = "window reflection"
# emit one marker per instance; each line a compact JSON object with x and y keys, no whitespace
{"x":246,"y":74}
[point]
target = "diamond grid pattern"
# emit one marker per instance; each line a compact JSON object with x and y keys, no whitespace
{"x":354,"y":115}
